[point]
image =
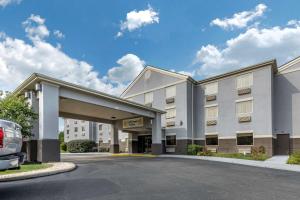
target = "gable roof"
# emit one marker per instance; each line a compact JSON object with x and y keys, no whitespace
{"x":159,"y":70}
{"x":289,"y":64}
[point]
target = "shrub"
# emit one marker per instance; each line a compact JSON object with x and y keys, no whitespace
{"x":193,"y":149}
{"x":205,"y":152}
{"x":63,"y":146}
{"x":258,"y":153}
{"x":80,"y":146}
{"x":294,"y":158}
{"x":262,"y":150}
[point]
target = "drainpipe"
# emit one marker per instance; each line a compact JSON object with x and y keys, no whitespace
{"x":192,"y":113}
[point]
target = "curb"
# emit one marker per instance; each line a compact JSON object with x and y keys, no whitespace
{"x":252,"y":163}
{"x":56,"y":168}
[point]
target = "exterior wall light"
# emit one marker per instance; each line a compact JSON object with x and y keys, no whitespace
{"x":27,"y":95}
{"x":38,"y":87}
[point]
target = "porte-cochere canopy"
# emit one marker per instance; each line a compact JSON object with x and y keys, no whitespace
{"x":52,"y":98}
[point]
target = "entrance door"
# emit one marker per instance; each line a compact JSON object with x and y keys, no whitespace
{"x":144,"y":143}
{"x":282,"y":144}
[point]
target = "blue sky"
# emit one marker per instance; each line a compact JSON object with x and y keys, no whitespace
{"x":77,"y":40}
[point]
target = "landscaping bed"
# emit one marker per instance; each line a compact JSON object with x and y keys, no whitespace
{"x":133,"y":155}
{"x":256,"y":153}
{"x":261,"y":157}
{"x":26,"y":168}
{"x":294,"y":158}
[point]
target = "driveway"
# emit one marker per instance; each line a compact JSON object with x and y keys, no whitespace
{"x":99,"y":177}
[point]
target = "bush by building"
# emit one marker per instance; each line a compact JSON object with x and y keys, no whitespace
{"x":194,"y":149}
{"x":294,"y":158}
{"x":80,"y":146}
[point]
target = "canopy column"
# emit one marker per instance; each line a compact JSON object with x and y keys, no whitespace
{"x":48,"y":143}
{"x":156,"y":135}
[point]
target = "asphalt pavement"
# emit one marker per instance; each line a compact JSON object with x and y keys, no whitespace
{"x":101,"y":177}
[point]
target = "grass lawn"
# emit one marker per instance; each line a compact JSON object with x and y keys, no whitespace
{"x":133,"y":155}
{"x":294,"y":159}
{"x":260,"y":157}
{"x":26,"y":168}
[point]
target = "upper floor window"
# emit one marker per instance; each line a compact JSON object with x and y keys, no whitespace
{"x":82,"y":121}
{"x":244,"y":81}
{"x":211,"y":113}
{"x":76,"y":129}
{"x":244,"y":108}
{"x":100,"y":127}
{"x":211,"y":88}
{"x":68,"y":131}
{"x":148,"y":97}
{"x":83,"y":128}
{"x":171,"y":91}
{"x":171,"y":113}
{"x":75,"y":122}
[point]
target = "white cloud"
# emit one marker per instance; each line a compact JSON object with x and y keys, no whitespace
{"x":293,"y":22}
{"x":19,"y":59}
{"x":4,"y":3}
{"x":58,"y":34}
{"x":241,"y":19}
{"x":129,"y":67}
{"x":35,"y":28}
{"x":253,"y":46}
{"x":137,"y":19}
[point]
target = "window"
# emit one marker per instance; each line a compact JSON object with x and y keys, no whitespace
{"x":171,"y":113}
{"x":83,"y":128}
{"x":75,"y":122}
{"x":148,"y":97}
{"x":244,"y":139}
{"x":82,"y":121}
{"x":83,"y":134}
{"x":212,"y":113}
{"x":212,"y":140}
{"x":68,"y":131}
{"x":171,"y":91}
{"x":76,"y":129}
{"x":170,"y":140}
{"x":211,"y":89}
{"x":244,"y":108}
{"x":100,"y":127}
{"x":244,"y":81}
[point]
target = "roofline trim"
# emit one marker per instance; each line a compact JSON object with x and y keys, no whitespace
{"x":289,"y":64}
{"x":40,"y":77}
{"x":157,"y":69}
{"x":241,"y":70}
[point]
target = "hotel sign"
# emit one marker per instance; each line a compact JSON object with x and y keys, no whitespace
{"x":133,"y":123}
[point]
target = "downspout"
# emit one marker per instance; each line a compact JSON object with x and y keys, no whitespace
{"x":192,"y":113}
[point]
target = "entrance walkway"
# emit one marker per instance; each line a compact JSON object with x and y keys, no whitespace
{"x":278,"y":159}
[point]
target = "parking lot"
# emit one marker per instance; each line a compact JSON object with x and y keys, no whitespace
{"x":102,"y":177}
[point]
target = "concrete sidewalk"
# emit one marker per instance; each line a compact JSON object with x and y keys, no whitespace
{"x":276,"y":163}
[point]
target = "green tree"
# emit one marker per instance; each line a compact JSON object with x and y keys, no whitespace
{"x":61,"y":137}
{"x":16,"y":109}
